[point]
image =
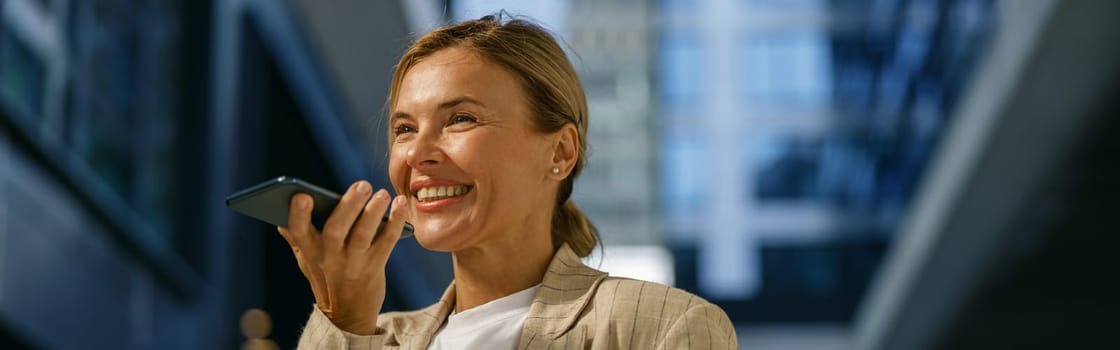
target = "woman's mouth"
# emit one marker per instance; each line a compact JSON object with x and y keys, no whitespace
{"x":435,"y":193}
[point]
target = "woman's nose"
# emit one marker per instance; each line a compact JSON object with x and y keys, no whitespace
{"x":425,"y":151}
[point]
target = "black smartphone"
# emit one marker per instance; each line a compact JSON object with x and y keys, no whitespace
{"x":269,"y":201}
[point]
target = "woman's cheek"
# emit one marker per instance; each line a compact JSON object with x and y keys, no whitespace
{"x":398,"y":172}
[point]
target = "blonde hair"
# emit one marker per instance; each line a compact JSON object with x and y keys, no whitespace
{"x":552,"y":89}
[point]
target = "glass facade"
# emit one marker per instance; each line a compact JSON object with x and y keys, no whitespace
{"x":22,"y":72}
{"x":123,"y":100}
{"x":837,"y":108}
{"x":102,"y":84}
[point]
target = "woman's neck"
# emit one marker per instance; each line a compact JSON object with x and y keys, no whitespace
{"x":484,"y":274}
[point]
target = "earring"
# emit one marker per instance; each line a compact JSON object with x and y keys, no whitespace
{"x":555,"y":170}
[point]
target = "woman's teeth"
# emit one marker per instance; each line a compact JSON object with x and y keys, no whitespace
{"x":441,"y":192}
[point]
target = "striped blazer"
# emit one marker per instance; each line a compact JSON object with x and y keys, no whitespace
{"x":577,"y":307}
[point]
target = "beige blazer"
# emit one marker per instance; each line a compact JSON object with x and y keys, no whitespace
{"x":577,"y":307}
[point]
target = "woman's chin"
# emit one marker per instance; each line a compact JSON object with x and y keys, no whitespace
{"x":439,"y":236}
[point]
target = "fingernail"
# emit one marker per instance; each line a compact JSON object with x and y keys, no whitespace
{"x":301,"y":203}
{"x":398,"y":201}
{"x":362,"y":187}
{"x":382,"y":194}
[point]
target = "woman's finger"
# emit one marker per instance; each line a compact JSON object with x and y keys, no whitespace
{"x":361,"y":236}
{"x":338,"y":224}
{"x":309,"y":268}
{"x":384,"y":242}
{"x":299,"y":220}
{"x":287,"y":236}
{"x":295,"y":248}
{"x":296,"y":251}
{"x":305,"y":247}
{"x":301,"y":259}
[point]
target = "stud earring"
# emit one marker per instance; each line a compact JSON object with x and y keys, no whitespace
{"x":555,"y":170}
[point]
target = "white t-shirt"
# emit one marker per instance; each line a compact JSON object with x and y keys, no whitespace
{"x":494,"y":325}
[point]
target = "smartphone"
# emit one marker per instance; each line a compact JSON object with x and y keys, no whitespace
{"x":269,"y":202}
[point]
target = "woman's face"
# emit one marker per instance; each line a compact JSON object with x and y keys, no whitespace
{"x":465,"y":151}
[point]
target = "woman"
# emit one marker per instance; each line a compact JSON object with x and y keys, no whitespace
{"x":487,"y":127}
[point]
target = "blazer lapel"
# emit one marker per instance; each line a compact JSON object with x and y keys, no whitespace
{"x":565,"y":291}
{"x":416,"y":332}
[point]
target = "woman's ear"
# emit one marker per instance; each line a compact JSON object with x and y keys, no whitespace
{"x":565,"y":151}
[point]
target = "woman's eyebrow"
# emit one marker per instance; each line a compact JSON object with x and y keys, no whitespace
{"x":399,"y":115}
{"x":460,"y":100}
{"x":443,"y":105}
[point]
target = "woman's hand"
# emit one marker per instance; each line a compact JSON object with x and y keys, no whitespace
{"x":345,"y":263}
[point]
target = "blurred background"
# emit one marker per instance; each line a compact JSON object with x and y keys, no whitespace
{"x":835,"y":174}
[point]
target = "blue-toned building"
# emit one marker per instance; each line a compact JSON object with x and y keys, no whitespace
{"x":793,"y":134}
{"x":869,"y":174}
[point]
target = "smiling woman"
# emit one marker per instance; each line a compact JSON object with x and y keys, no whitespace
{"x":488,"y":122}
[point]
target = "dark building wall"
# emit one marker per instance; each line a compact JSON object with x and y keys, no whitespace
{"x":65,"y":283}
{"x":122,"y":132}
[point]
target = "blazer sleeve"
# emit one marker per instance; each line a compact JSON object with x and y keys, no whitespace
{"x":703,"y":326}
{"x":321,"y":333}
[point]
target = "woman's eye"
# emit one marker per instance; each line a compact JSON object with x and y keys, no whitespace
{"x":404,"y":129}
{"x":462,"y":119}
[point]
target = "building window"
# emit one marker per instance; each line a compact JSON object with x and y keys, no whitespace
{"x":683,"y":174}
{"x":787,"y":69}
{"x":680,"y":71}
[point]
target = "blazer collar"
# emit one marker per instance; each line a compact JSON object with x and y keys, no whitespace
{"x":567,"y":288}
{"x":422,"y":328}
